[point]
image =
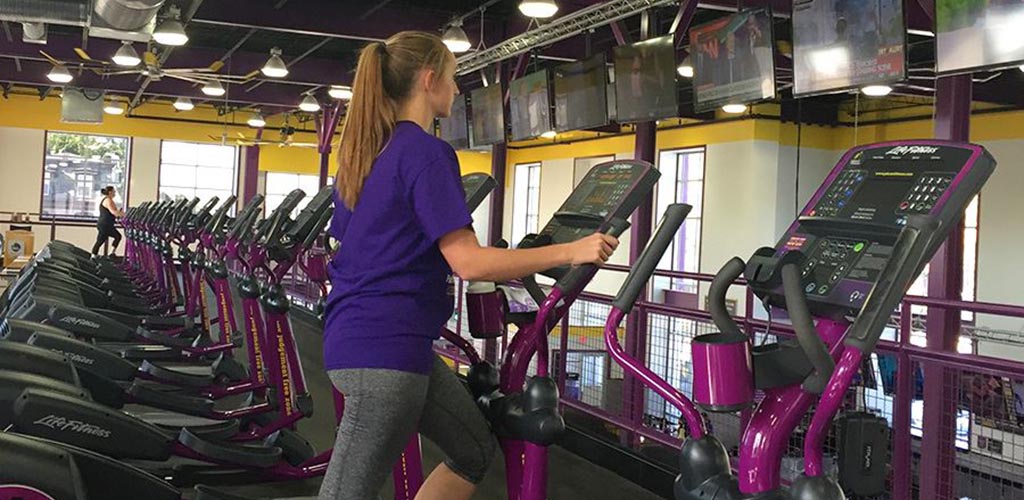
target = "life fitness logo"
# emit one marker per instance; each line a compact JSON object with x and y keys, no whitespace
{"x":65,"y":424}
{"x":912,"y":150}
{"x":79,"y":322}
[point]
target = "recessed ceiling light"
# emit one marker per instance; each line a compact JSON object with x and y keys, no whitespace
{"x":734,"y":108}
{"x":183,"y":104}
{"x":876,"y":90}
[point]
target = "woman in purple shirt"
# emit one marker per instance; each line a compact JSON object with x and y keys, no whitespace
{"x":403,"y":226}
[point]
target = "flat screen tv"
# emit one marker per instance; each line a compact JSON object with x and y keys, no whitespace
{"x":487,"y":105}
{"x":733,"y":60}
{"x":840,"y":44}
{"x":455,"y":128}
{"x":530,"y":106}
{"x":581,"y":94}
{"x":978,"y":34}
{"x":645,"y":80}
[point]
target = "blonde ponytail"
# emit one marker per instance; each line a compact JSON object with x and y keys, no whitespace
{"x":384,"y":78}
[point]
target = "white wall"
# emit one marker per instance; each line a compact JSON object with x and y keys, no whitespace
{"x":1000,"y":244}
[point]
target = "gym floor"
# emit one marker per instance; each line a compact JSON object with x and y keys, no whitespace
{"x":570,"y":476}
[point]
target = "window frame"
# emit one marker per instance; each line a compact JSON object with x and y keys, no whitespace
{"x":236,"y":166}
{"x":129,"y":153}
{"x":526,"y":213}
{"x":679,"y":151}
{"x":309,"y":195}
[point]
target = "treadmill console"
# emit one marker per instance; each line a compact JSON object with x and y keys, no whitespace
{"x":848,"y":229}
{"x":610,"y":191}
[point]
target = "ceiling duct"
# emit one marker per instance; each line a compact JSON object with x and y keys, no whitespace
{"x":127,"y":15}
{"x":69,"y":12}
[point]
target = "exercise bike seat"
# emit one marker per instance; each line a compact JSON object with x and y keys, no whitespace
{"x":245,"y":455}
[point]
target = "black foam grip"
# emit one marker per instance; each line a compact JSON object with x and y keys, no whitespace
{"x":908,"y":255}
{"x":806,"y":335}
{"x":569,"y":281}
{"x":716,"y":297}
{"x":245,"y":219}
{"x":637,"y":278}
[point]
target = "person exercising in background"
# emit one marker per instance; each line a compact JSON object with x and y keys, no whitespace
{"x":105,"y":223}
{"x":401,"y":219}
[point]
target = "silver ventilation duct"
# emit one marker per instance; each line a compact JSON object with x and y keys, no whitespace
{"x":68,"y":12}
{"x":127,"y":15}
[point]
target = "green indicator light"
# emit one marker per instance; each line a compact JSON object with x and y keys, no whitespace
{"x":858,"y":247}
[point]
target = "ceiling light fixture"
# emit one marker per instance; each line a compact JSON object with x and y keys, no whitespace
{"x":734,"y":109}
{"x":59,"y":74}
{"x":184,"y":104}
{"x":126,"y":55}
{"x":171,"y":32}
{"x":113,"y":108}
{"x":213,"y":88}
{"x":685,"y":68}
{"x":540,"y":9}
{"x":309,"y":104}
{"x":275,"y":68}
{"x":550,"y":134}
{"x":340,"y":92}
{"x":876,"y":90}
{"x":455,"y":38}
{"x":1022,"y":67}
{"x":257,"y":121}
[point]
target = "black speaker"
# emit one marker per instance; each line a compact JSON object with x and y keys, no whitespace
{"x":863,"y":453}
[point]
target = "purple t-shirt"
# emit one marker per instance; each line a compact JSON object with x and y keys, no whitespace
{"x":389,"y":297}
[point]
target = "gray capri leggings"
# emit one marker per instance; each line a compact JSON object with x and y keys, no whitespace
{"x":383,"y":408}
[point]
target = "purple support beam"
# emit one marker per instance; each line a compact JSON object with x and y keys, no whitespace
{"x":251,"y":167}
{"x":681,"y":23}
{"x":622,"y":36}
{"x":325,"y":129}
{"x":498,"y":159}
{"x":945,"y":281}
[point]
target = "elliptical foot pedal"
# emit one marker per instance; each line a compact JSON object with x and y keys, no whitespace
{"x":153,"y":352}
{"x":249,"y":456}
{"x":207,"y":493}
{"x":176,"y":377}
{"x":188,"y":405}
{"x":180,"y":341}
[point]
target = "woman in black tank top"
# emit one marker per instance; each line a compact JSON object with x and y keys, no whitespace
{"x":105,"y":223}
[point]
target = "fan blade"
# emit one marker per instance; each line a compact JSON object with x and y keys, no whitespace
{"x":248,"y":77}
{"x":150,"y":58}
{"x":50,"y":58}
{"x":241,"y":135}
{"x":83,"y":54}
{"x":125,"y":72}
{"x":215,"y":66}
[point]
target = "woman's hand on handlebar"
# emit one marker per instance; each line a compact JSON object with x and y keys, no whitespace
{"x":594,"y":249}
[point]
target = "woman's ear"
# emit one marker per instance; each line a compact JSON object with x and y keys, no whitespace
{"x":429,"y":80}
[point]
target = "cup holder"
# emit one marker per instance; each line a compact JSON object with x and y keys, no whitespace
{"x":485,"y":310}
{"x":723,"y":373}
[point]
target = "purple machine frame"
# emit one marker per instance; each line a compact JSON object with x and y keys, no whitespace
{"x":767,"y":433}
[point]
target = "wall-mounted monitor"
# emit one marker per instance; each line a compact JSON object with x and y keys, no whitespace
{"x":488,"y":107}
{"x":581,"y":94}
{"x":982,"y":34}
{"x":530,"y":106}
{"x":733,"y":60}
{"x":645,"y":80}
{"x":455,"y":128}
{"x":840,"y":45}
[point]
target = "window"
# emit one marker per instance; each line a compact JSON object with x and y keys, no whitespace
{"x":278,"y":185}
{"x":525,"y":201}
{"x":970,"y":271}
{"x":682,"y":181}
{"x":77,"y":167}
{"x":189,"y":169}
{"x":582,"y":166}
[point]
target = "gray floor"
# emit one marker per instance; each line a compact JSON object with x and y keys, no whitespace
{"x":570,"y":476}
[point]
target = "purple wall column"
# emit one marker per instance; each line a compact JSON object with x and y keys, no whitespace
{"x":251,"y":167}
{"x":494,"y":226}
{"x":636,"y":325}
{"x":945,"y":280}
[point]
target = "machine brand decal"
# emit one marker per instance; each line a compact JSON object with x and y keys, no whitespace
{"x":227,"y":327}
{"x":254,"y":333}
{"x":286,"y":377}
{"x":203,"y":305}
{"x":912,"y":150}
{"x":894,"y":174}
{"x":75,"y":357}
{"x":79,"y":322}
{"x":64,"y":424}
{"x":868,"y":449}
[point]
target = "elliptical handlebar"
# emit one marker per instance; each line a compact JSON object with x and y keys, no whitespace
{"x":572,"y":278}
{"x":641,"y":272}
{"x":245,"y":220}
{"x":895,"y":278}
{"x":273,"y":230}
{"x":803,"y":324}
{"x":723,"y":279}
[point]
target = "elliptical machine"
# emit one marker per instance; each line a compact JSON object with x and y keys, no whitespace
{"x":840,"y":270}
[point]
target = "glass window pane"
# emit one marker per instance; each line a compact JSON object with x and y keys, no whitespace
{"x":177,"y":175}
{"x":197,"y":170}
{"x":214,"y":178}
{"x":76,"y":167}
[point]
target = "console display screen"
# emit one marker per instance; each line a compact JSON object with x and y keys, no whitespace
{"x":878,"y":198}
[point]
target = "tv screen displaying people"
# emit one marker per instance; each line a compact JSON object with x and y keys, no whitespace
{"x":645,"y":80}
{"x":844,"y":44}
{"x":530,"y":106}
{"x":487,"y":105}
{"x":978,"y":34}
{"x":581,"y":94}
{"x":455,"y":128}
{"x":733,"y":60}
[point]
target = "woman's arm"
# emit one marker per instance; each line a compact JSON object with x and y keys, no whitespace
{"x":472,"y":262}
